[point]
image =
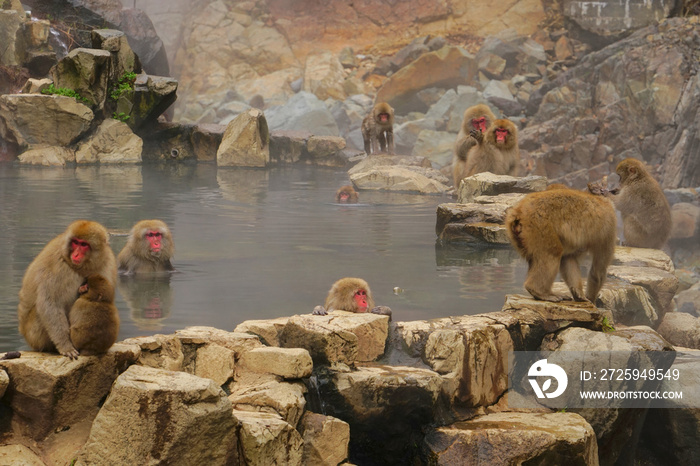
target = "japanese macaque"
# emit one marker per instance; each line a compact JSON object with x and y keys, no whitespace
{"x":52,"y":282}
{"x":477,"y":117}
{"x":148,"y":249}
{"x":495,"y":151}
{"x":378,"y":129}
{"x":346,"y":195}
{"x":552,"y":229}
{"x":646,"y":214}
{"x":351,"y":295}
{"x":94,"y":319}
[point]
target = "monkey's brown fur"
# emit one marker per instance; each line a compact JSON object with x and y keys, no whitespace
{"x":137,"y":257}
{"x":552,"y":229}
{"x":491,"y":155}
{"x":341,"y":295}
{"x":379,"y":135}
{"x":646,"y":214}
{"x":465,"y":141}
{"x":51,"y":282}
{"x":350,"y":191}
{"x":94,"y":319}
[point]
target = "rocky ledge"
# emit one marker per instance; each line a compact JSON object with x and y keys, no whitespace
{"x":311,"y":389}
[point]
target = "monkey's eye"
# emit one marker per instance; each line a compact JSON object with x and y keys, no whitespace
{"x":361,"y":293}
{"x":153,"y":234}
{"x":79,"y":243}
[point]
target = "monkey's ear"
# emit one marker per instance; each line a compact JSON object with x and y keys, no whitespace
{"x":633,"y":170}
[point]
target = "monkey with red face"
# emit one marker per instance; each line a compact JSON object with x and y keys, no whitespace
{"x":351,"y":295}
{"x":148,"y":249}
{"x":346,"y":195}
{"x":52,"y":282}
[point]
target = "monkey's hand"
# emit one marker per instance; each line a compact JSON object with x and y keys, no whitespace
{"x":320,"y":311}
{"x":382,"y":310}
{"x":476,"y":134}
{"x":69,"y":351}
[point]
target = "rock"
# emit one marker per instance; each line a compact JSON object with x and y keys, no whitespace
{"x":11,"y":22}
{"x":643,"y":257}
{"x":52,"y":120}
{"x":323,"y":76}
{"x":162,"y":416}
{"x":436,"y":146}
{"x":4,"y":382}
{"x":85,"y":71}
{"x":159,"y":352}
{"x":269,"y":396}
{"x":374,"y":161}
{"x":49,"y":392}
{"x":35,"y":86}
{"x":688,"y":301}
{"x":302,"y":112}
{"x":681,"y":329}
{"x":123,"y":59}
{"x":326,"y":150}
{"x":610,"y":19}
{"x":151,"y":96}
{"x":113,"y":142}
{"x":488,"y":184}
{"x":246,"y":142}
{"x":266,"y":439}
{"x":288,"y":363}
{"x":514,"y":438}
{"x":50,"y":156}
{"x":19,"y":455}
{"x":662,"y":286}
{"x":288,"y":146}
{"x":686,"y":221}
{"x":402,"y":178}
{"x":629,"y":304}
{"x":447,"y":67}
{"x":475,"y":222}
{"x":340,"y":337}
{"x":267,"y":330}
{"x":386,"y":407}
{"x":325,"y":439}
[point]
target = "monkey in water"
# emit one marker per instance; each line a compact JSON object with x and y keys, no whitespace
{"x":646,"y":213}
{"x":346,"y":195}
{"x":148,"y":249}
{"x":552,"y":229}
{"x":477,"y":117}
{"x":94,"y":319}
{"x":378,"y":129}
{"x":495,"y":151}
{"x":351,"y":295}
{"x":51,"y":283}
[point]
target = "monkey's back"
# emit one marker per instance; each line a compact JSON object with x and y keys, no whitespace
{"x":94,"y":326}
{"x":563,"y":218}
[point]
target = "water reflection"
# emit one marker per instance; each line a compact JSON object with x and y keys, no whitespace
{"x":250,"y":244}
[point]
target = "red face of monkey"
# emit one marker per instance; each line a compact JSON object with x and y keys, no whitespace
{"x":501,"y":135}
{"x":154,"y":238}
{"x":479,"y":123}
{"x":78,"y":250}
{"x":384,"y":117}
{"x":344,"y":196}
{"x":361,"y":300}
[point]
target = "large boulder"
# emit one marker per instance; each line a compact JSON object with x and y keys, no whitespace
{"x":162,"y":416}
{"x":85,"y":71}
{"x":615,"y":18}
{"x":246,"y":142}
{"x":113,"y":142}
{"x":402,"y":179}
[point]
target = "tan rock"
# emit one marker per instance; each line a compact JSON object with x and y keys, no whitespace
{"x":288,"y":363}
{"x":488,"y":184}
{"x":11,"y":37}
{"x":4,"y":382}
{"x":643,"y":257}
{"x":162,"y":416}
{"x":37,"y":119}
{"x":159,"y":351}
{"x":402,"y":179}
{"x":324,"y":76}
{"x":86,"y":71}
{"x":49,"y":392}
{"x":246,"y":142}
{"x":681,"y":329}
{"x":325,"y":439}
{"x":239,"y":343}
{"x":19,"y":455}
{"x":339,"y":337}
{"x":213,"y":362}
{"x":662,"y":285}
{"x":113,"y":142}
{"x":266,"y":439}
{"x":48,"y":156}
{"x":267,"y":330}
{"x":515,"y":438}
{"x":280,"y":398}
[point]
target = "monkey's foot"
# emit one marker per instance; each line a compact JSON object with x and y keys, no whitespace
{"x":320,"y":311}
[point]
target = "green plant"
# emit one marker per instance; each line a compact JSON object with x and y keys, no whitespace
{"x":126,"y":83}
{"x":66,"y":92}
{"x":607,"y":325}
{"x":121,"y":116}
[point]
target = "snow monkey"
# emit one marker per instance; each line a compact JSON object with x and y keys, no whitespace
{"x":552,"y":229}
{"x":148,"y":249}
{"x":94,"y":319}
{"x":646,"y":214}
{"x":346,"y":195}
{"x":52,"y":282}
{"x":352,"y":295}
{"x":378,"y":129}
{"x":477,"y":117}
{"x":495,"y":151}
